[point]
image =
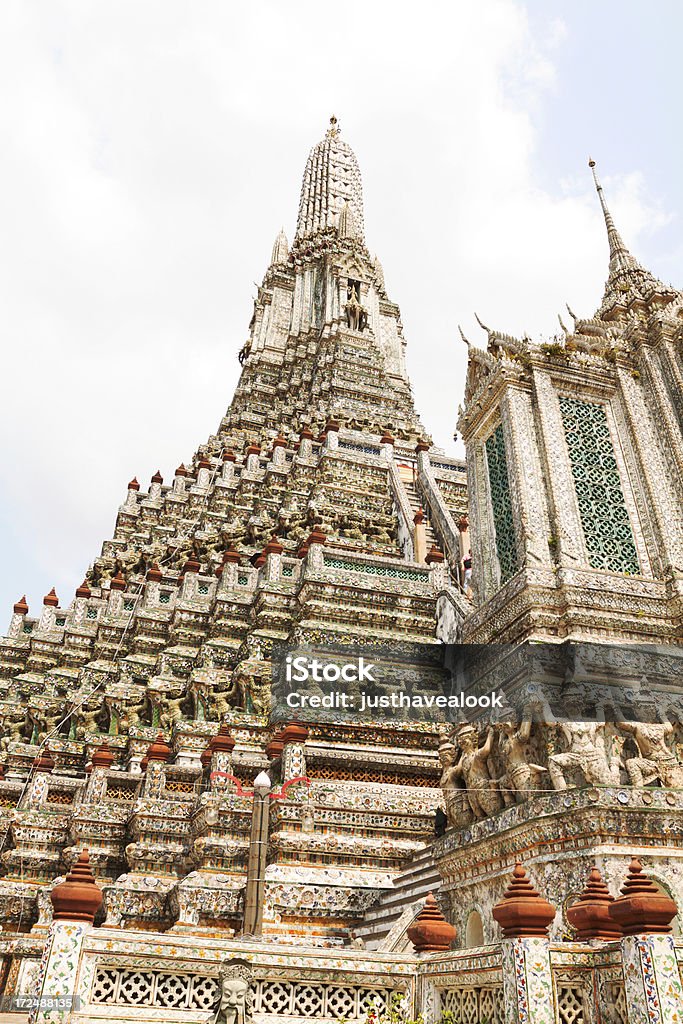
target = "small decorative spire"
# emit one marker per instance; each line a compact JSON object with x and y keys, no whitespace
{"x":642,"y":908}
{"x":158,"y":750}
{"x":273,"y":547}
{"x":157,"y":478}
{"x":181,"y":471}
{"x":430,"y":932}
{"x":293,"y":732}
{"x":590,"y":915}
{"x":133,"y":484}
{"x":333,"y":130}
{"x":78,"y":897}
{"x":280,"y":248}
{"x":154,"y":573}
{"x":84,"y":590}
{"x":21,"y":607}
{"x":522,"y":912}
{"x":626,"y":274}
{"x":51,"y":600}
{"x":462,"y":335}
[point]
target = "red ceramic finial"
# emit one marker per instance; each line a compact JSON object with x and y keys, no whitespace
{"x":44,"y":762}
{"x":154,"y":573}
{"x":331,"y":424}
{"x":430,"y":932}
{"x":230,"y":555}
{"x":157,"y":478}
{"x":306,"y":434}
{"x":316,"y":536}
{"x":84,"y":590}
{"x":279,"y":441}
{"x":158,"y":750}
{"x":590,"y":915}
{"x":191,"y":565}
{"x":522,"y":912}
{"x":434,"y":555}
{"x":275,"y":747}
{"x":21,"y":608}
{"x":294,"y":732}
{"x":221,"y":743}
{"x":642,"y":908}
{"x":118,"y":582}
{"x":422,"y":446}
{"x":387,"y":438}
{"x":181,"y":471}
{"x":51,"y":600}
{"x":133,"y":484}
{"x":102,"y":756}
{"x":273,"y":547}
{"x":78,"y":897}
{"x":229,"y":456}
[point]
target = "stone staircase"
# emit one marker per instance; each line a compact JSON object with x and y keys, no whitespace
{"x":415,"y":504}
{"x":418,"y":878}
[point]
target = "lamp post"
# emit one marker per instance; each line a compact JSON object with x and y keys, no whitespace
{"x":256,"y":865}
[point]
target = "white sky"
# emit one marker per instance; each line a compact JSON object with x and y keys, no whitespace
{"x":151,"y":152}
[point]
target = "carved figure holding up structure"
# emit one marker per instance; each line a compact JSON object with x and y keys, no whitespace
{"x":520,"y":773}
{"x":452,"y":786}
{"x":657,"y":760}
{"x":482,"y":789}
{"x":586,"y":748}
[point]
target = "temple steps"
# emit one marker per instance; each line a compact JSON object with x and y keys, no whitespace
{"x":418,"y":878}
{"x":416,"y":503}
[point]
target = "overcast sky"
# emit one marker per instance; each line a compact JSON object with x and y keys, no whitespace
{"x":152,"y":150}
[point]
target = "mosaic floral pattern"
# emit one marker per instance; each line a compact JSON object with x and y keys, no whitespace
{"x":506,"y":546}
{"x":604,"y":516}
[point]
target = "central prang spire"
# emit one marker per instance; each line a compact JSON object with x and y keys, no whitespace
{"x":332,"y":192}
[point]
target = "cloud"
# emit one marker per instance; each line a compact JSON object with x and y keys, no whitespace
{"x":151,"y":153}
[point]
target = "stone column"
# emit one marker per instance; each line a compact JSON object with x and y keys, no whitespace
{"x":76,"y":901}
{"x":652,"y":980}
{"x":419,"y":536}
{"x":527,"y":495}
{"x":293,"y":738}
{"x":525,"y":917}
{"x":18,"y":615}
{"x":566,"y":525}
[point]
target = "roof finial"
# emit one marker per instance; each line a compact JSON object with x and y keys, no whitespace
{"x":332,"y":130}
{"x":462,"y":335}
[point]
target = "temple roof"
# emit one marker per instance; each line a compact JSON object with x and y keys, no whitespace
{"x":627,"y":280}
{"x":331,"y":182}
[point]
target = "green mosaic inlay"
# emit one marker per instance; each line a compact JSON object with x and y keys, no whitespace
{"x":506,"y":542}
{"x":604,"y":516}
{"x":374,"y":570}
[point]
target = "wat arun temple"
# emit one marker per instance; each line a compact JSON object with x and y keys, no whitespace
{"x":172,"y":849}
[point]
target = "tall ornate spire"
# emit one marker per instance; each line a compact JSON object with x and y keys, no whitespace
{"x":331,"y":181}
{"x":627,"y":280}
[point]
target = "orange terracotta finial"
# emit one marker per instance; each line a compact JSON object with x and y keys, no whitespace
{"x":434,"y":555}
{"x":84,"y":590}
{"x":102,"y":756}
{"x":51,"y":600}
{"x":157,"y":478}
{"x":430,"y":932}
{"x":133,"y":484}
{"x":522,"y":912}
{"x":222,"y":743}
{"x":158,"y":750}
{"x":44,"y":761}
{"x":642,"y":908}
{"x":78,"y":897}
{"x":590,"y":915}
{"x":21,"y":608}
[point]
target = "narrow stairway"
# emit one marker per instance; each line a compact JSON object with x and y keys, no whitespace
{"x":418,"y":878}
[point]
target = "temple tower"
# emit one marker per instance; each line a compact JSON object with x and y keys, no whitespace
{"x":575,"y":463}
